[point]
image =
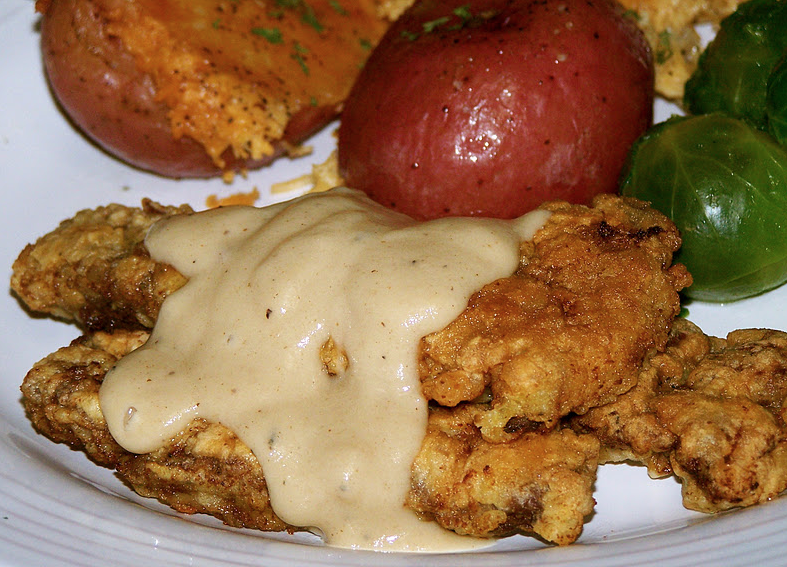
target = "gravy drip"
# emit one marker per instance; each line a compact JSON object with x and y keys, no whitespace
{"x":299,"y":329}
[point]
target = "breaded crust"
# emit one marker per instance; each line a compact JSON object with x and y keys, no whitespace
{"x":94,"y":270}
{"x":541,"y":482}
{"x":204,"y":469}
{"x":575,"y":360}
{"x":710,"y":411}
{"x":595,"y":292}
{"x":488,"y":490}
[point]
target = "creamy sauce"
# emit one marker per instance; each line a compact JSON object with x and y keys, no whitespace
{"x":299,"y":329}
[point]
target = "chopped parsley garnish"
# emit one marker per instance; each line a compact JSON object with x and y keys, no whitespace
{"x":338,"y":8}
{"x":664,"y":47}
{"x":430,"y":26}
{"x":298,"y":54}
{"x":633,"y":14}
{"x":307,"y":12}
{"x":299,"y":59}
{"x":273,"y":35}
{"x":463,"y":13}
{"x":310,"y":18}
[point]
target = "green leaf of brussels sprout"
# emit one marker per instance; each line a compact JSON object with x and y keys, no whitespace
{"x":724,"y":184}
{"x":776,"y":102}
{"x":733,"y":71}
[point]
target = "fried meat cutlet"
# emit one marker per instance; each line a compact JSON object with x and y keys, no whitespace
{"x":94,"y":269}
{"x":594,"y":293}
{"x":541,"y":482}
{"x":709,"y":410}
{"x":204,"y":469}
{"x":595,"y":284}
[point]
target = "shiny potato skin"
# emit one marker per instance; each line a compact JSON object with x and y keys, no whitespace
{"x":99,"y":87}
{"x":491,"y":113}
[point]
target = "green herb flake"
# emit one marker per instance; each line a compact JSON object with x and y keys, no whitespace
{"x":366,"y":45}
{"x":310,"y":18}
{"x":633,"y":14}
{"x":301,"y":62}
{"x":313,"y":101}
{"x":465,"y":17}
{"x":432,"y":25}
{"x":216,"y":24}
{"x":338,"y":8}
{"x":297,"y":55}
{"x":273,"y":35}
{"x":664,"y":47}
{"x":463,"y":13}
{"x":289,"y":3}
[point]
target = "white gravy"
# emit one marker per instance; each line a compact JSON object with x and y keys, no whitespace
{"x":240,"y":344}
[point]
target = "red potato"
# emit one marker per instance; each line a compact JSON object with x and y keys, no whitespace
{"x":490,"y":107}
{"x":139,"y":77}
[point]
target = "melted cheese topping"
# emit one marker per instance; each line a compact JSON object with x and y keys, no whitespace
{"x":299,"y":330}
{"x":234,"y":73}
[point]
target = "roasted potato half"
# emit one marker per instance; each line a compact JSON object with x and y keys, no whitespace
{"x":200,"y":88}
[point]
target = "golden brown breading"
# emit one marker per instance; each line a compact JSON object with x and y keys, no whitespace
{"x":204,"y":469}
{"x":628,"y":428}
{"x":540,"y":482}
{"x":709,"y":410}
{"x":94,"y":269}
{"x":60,"y":392}
{"x":595,"y":292}
{"x":730,"y":452}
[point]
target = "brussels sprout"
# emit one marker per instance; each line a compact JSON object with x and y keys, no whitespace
{"x":724,"y":184}
{"x":733,"y":71}
{"x":776,"y":102}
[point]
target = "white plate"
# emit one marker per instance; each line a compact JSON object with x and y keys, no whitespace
{"x":57,"y":508}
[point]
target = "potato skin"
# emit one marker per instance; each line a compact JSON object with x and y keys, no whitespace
{"x":99,"y":87}
{"x":523,"y":102}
